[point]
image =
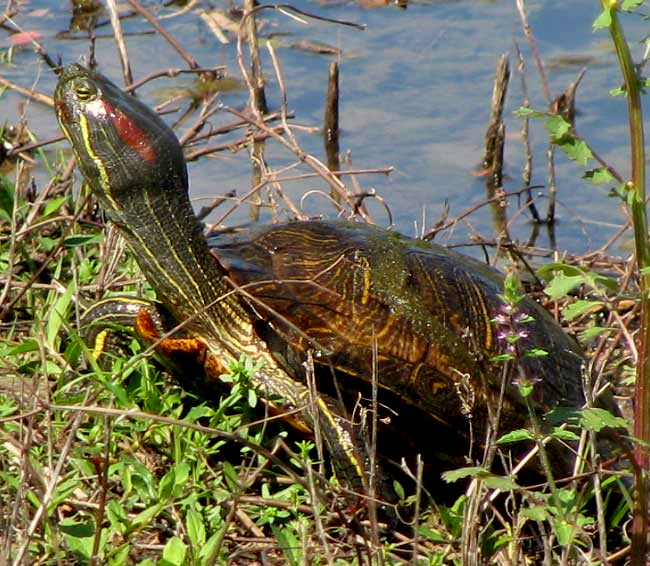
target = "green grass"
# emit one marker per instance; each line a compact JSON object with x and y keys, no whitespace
{"x":173,"y":478}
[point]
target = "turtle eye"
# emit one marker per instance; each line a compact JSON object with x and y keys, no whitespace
{"x":83,"y":92}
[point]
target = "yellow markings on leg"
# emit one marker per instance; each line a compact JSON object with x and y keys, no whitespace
{"x":100,"y":344}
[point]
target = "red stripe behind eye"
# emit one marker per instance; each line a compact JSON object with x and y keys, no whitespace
{"x":131,"y":135}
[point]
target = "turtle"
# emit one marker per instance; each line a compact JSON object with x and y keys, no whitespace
{"x":422,"y":328}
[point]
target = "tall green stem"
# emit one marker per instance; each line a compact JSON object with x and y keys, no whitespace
{"x":636,"y":201}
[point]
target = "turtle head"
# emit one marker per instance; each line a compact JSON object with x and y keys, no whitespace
{"x":127,"y":154}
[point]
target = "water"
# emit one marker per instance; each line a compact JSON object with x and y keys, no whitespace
{"x":415,"y":95}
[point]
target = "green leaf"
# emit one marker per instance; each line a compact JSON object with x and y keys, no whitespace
{"x":182,"y":473}
{"x":145,"y":517}
{"x":196,"y":413}
{"x":289,"y":543}
{"x":535,"y":513}
{"x":629,"y":5}
{"x":174,"y":552}
{"x":53,"y":205}
{"x":557,"y":126}
{"x":117,"y":516}
{"x":76,"y":529}
{"x":22,"y":348}
{"x":432,"y":535}
{"x":568,"y":497}
{"x":535,"y":353}
{"x":599,"y":176}
{"x":564,"y":278}
{"x":564,"y":434}
{"x":524,"y":112}
{"x":580,"y":307}
{"x":231,"y":476}
{"x":604,"y":20}
{"x":80,"y":543}
{"x":594,"y":332}
{"x":564,"y":531}
{"x":166,"y":485}
{"x":563,"y":415}
{"x":6,"y":200}
{"x":518,"y":435}
{"x":525,"y":389}
{"x":208,"y":549}
{"x":561,"y":285}
{"x":82,"y":240}
{"x":195,"y":528}
{"x":399,"y":490}
{"x":119,"y":392}
{"x":461,"y":473}
{"x":119,"y":557}
{"x":500,"y":358}
{"x":502,"y":483}
{"x":173,"y":482}
{"x":550,"y":270}
{"x":576,"y":150}
{"x":512,"y":294}
{"x":596,"y":419}
{"x":58,"y":314}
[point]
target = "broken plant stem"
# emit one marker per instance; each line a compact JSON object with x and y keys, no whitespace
{"x":636,"y":202}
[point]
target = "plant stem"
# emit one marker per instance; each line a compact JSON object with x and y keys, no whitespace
{"x":636,"y":202}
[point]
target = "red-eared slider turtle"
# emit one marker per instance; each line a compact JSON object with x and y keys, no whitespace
{"x":365,"y":301}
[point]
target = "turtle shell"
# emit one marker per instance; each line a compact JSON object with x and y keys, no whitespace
{"x":370,"y":302}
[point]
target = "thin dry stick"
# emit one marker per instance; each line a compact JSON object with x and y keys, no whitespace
{"x":331,"y":119}
{"x":207,"y":110}
{"x":528,"y":165}
{"x":494,"y":145}
{"x":374,"y":468}
{"x":37,"y":96}
{"x":12,"y":243}
{"x":347,"y":172}
{"x":258,"y":107}
{"x":214,"y":203}
{"x":22,"y":150}
{"x":550,"y":212}
{"x":499,"y":91}
{"x":307,"y":158}
{"x":102,"y":466}
{"x":452,"y":222}
{"x":416,"y":511}
{"x":136,"y":414}
{"x":119,"y":39}
{"x":284,"y":106}
{"x":173,"y":72}
{"x":162,"y":31}
{"x":256,"y":84}
{"x":51,"y":486}
{"x":232,"y":146}
{"x":521,"y":7}
{"x":232,"y":126}
{"x":552,"y":191}
{"x":311,"y":380}
{"x":53,"y":253}
{"x":40,"y":50}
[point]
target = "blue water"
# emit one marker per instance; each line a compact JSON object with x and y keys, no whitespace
{"x":415,"y":95}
